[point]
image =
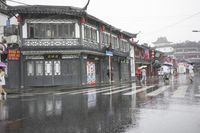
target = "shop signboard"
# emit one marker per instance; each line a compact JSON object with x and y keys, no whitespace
{"x":13,"y":54}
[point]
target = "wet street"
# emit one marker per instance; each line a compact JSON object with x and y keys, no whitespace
{"x":127,"y":108}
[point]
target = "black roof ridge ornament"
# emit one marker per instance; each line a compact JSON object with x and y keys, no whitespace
{"x":3,"y":3}
{"x":85,"y":7}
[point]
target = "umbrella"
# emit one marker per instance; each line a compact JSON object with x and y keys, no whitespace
{"x":142,"y":67}
{"x":2,"y":64}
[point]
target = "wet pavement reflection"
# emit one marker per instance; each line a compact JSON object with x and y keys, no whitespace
{"x":104,"y":110}
{"x":65,"y":113}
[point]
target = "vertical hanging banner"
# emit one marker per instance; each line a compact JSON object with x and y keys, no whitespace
{"x":91,"y":73}
{"x":146,"y":54}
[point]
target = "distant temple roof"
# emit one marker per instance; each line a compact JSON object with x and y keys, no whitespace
{"x":161,"y":40}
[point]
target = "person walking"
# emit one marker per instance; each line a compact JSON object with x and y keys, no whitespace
{"x":191,"y":73}
{"x":143,"y":75}
{"x":2,"y":83}
{"x":138,"y":74}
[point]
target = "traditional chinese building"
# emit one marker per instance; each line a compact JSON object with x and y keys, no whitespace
{"x":166,"y":47}
{"x":148,"y":57}
{"x":187,"y":53}
{"x":64,"y":45}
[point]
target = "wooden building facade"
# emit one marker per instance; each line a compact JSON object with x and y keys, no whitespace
{"x":63,"y":45}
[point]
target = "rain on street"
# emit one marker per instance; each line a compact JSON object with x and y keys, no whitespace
{"x":125,"y":108}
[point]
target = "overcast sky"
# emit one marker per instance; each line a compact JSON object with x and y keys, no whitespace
{"x":174,"y":19}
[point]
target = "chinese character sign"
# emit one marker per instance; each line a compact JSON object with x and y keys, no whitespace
{"x":13,"y":54}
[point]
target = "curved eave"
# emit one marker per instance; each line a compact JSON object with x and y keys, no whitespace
{"x":40,"y":9}
{"x":61,"y":10}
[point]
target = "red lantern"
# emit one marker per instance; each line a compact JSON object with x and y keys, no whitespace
{"x":82,"y":20}
{"x":152,"y":54}
{"x":19,"y":18}
{"x":120,"y":36}
{"x":102,"y":28}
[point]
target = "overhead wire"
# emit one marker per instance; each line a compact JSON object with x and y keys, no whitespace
{"x":150,"y":33}
{"x":173,"y":24}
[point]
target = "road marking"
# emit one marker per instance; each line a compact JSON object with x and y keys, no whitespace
{"x":97,"y":90}
{"x":158,"y":91}
{"x":139,"y":90}
{"x":87,"y":90}
{"x":78,"y":91}
{"x":117,"y":91}
{"x":73,"y":91}
{"x":180,"y":92}
{"x":110,"y":90}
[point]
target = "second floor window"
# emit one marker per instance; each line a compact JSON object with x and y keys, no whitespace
{"x":124,"y":46}
{"x":115,"y":43}
{"x":51,"y":30}
{"x":105,"y":39}
{"x":90,"y":34}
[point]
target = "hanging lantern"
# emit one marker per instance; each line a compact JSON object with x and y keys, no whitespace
{"x":120,"y":36}
{"x":82,"y":20}
{"x":152,"y":54}
{"x":102,"y":28}
{"x":19,"y":18}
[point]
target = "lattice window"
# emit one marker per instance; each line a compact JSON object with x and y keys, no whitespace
{"x":51,"y":30}
{"x":48,"y":68}
{"x":90,"y":33}
{"x":30,"y":68}
{"x":39,"y":68}
{"x":57,"y":70}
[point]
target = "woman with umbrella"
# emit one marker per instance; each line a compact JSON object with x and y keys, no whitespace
{"x":2,"y":80}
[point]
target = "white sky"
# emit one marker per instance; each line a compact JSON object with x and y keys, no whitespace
{"x":174,"y":19}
